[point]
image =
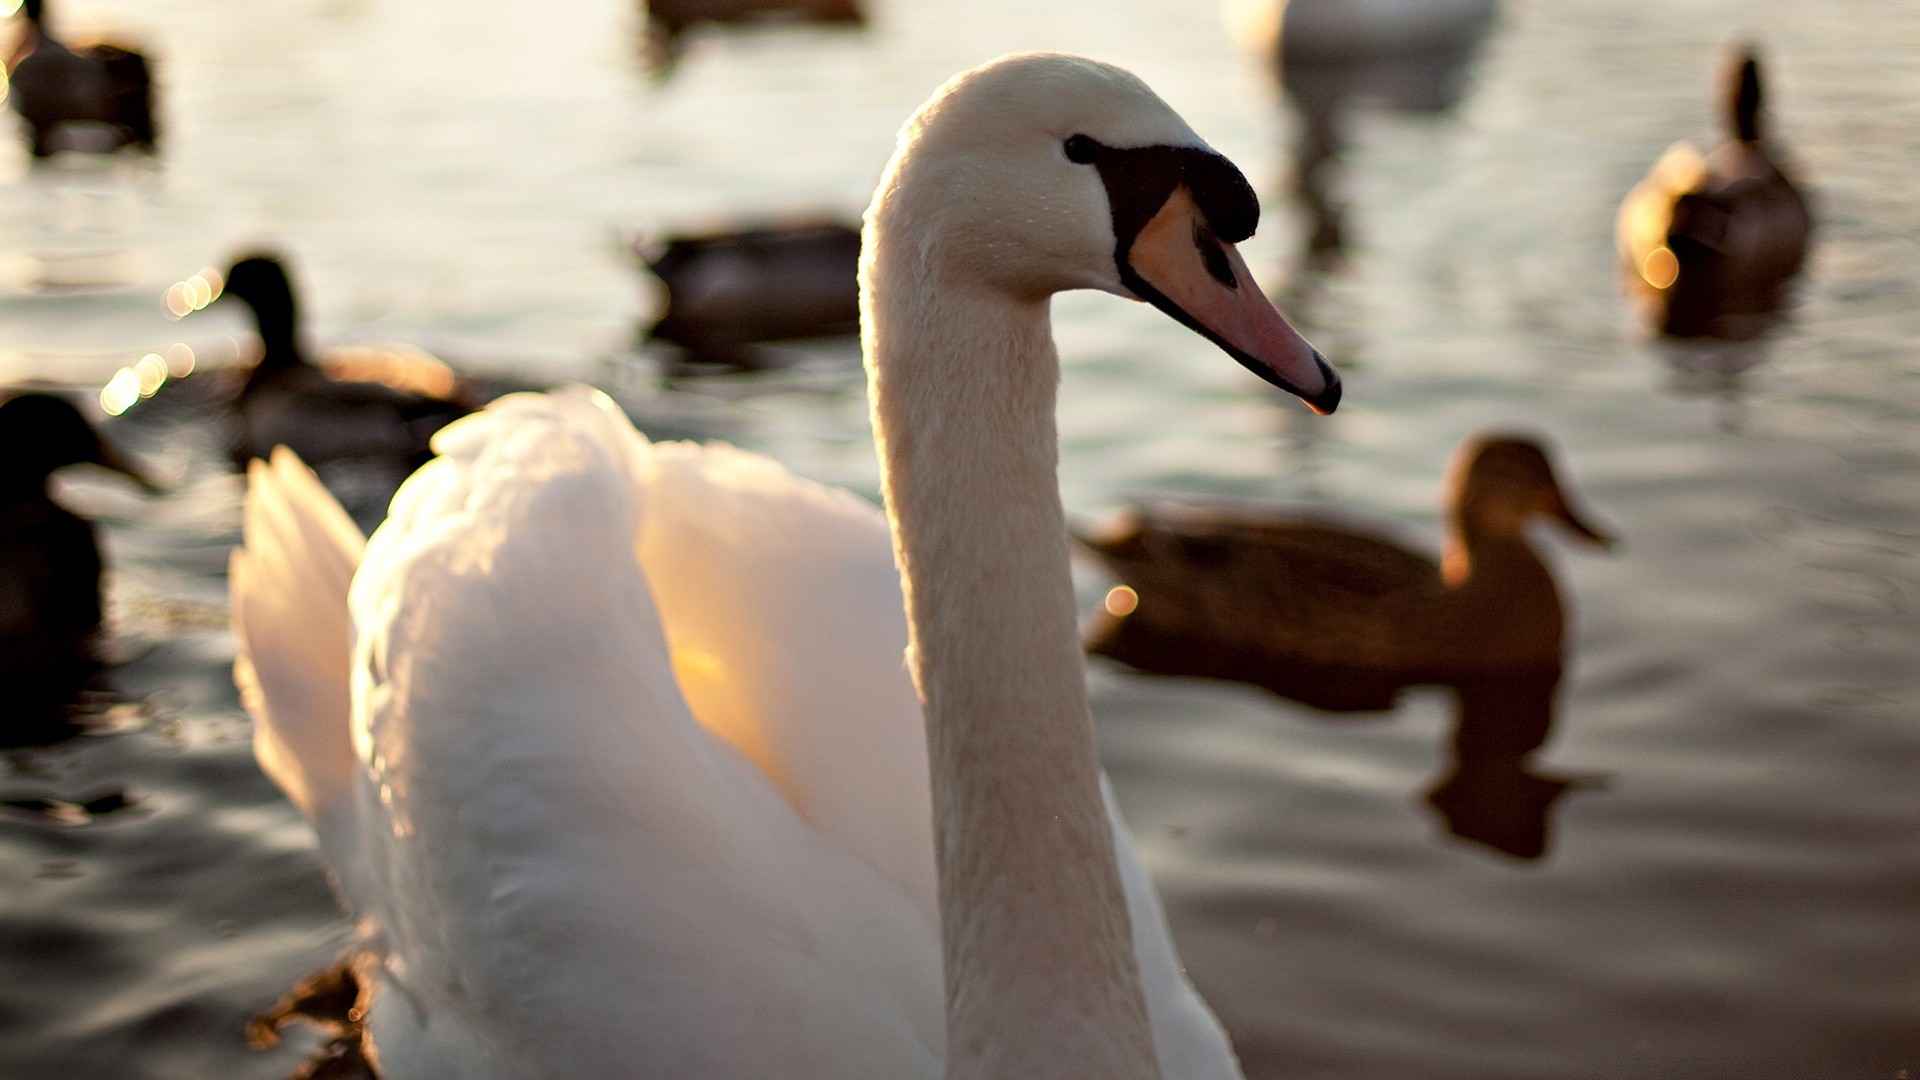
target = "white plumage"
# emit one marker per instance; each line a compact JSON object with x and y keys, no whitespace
{"x":562,"y":870}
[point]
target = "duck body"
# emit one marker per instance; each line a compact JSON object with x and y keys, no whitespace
{"x":610,"y":745}
{"x":1335,"y":614}
{"x":668,"y":21}
{"x":729,"y":290}
{"x":388,"y":414}
{"x":50,"y":567}
{"x":53,"y":86}
{"x":1711,"y":244}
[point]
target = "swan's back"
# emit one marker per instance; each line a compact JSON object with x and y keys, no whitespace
{"x":565,"y":873}
{"x":631,"y":779}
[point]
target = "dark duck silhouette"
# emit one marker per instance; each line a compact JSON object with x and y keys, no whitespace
{"x":1710,"y":245}
{"x":730,"y":290}
{"x":1338,"y":617}
{"x":359,"y":404}
{"x":54,"y":86}
{"x":668,"y":21}
{"x":50,"y":567}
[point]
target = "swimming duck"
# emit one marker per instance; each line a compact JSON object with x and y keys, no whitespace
{"x":371,"y":404}
{"x":610,"y":744}
{"x":1340,"y":617}
{"x":1709,"y":244}
{"x":50,"y":565}
{"x":668,"y":20}
{"x":730,"y":289}
{"x":52,"y":86}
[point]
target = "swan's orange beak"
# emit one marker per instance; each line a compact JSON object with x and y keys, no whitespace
{"x":1202,"y":281}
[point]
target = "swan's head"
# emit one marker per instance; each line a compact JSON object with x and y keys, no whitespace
{"x":1043,"y":172}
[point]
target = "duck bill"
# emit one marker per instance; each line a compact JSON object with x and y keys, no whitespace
{"x":1577,"y":525}
{"x":108,"y":456}
{"x":1176,"y":264}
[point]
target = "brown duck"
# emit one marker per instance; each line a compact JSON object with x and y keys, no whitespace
{"x":1709,"y":244}
{"x":1339,"y":618}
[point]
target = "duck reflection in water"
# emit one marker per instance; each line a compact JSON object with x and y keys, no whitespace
{"x":667,"y":21}
{"x":1341,"y":618}
{"x":1412,"y":55}
{"x":50,"y":567}
{"x":96,"y":97}
{"x":731,"y":291}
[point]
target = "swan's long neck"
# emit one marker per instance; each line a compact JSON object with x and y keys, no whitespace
{"x":1041,"y":976}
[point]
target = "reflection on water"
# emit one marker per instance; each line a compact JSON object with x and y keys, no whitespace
{"x":1492,"y":791}
{"x":1413,"y":56}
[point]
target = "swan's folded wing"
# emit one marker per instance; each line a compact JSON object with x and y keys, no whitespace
{"x":568,"y":871}
{"x":783,"y":609}
{"x":289,"y":603}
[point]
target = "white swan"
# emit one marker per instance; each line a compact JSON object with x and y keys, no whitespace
{"x":610,"y":744}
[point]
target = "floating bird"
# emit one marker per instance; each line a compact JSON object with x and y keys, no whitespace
{"x":53,"y":87}
{"x":610,"y":744}
{"x":728,"y":291}
{"x":1341,"y":617}
{"x":50,"y":566}
{"x":667,"y":21}
{"x":1709,"y":245}
{"x":364,"y":404}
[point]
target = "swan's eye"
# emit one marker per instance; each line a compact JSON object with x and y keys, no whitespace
{"x":1080,"y":149}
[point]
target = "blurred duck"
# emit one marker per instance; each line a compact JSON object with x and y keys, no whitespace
{"x":728,"y":291}
{"x":1339,"y":618}
{"x":54,"y":87}
{"x":50,"y":566}
{"x":1709,"y":244}
{"x":669,"y":20}
{"x":382,"y":405}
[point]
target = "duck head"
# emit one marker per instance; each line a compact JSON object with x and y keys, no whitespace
{"x":1041,"y":173}
{"x":260,"y":281}
{"x":41,"y":433}
{"x":1498,"y":484}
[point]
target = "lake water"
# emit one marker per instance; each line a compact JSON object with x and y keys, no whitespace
{"x":1729,"y":887}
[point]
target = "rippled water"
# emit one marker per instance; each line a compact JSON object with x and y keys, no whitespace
{"x":1728,"y":889}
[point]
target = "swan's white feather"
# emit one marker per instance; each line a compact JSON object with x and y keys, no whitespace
{"x":291,"y":630}
{"x":561,"y":870}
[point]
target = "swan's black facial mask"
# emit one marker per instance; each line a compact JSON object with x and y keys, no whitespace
{"x":1177,"y":211}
